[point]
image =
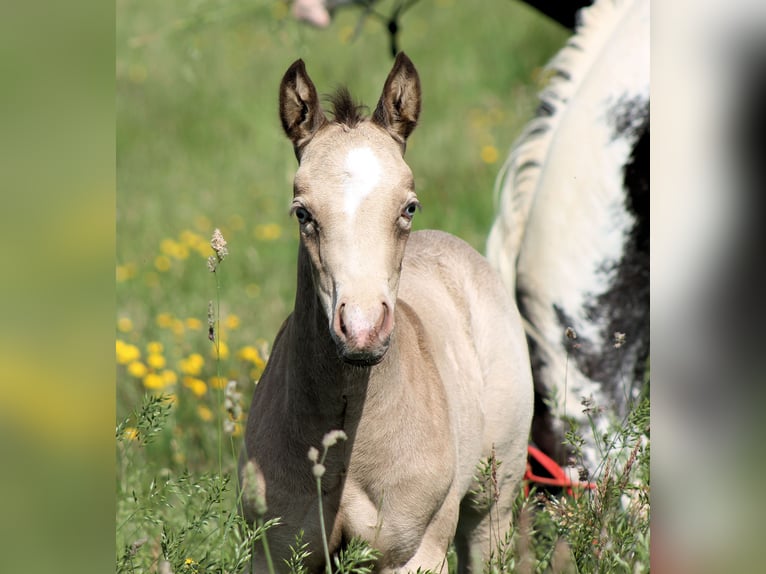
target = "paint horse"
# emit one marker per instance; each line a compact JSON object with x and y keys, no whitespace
{"x":407,"y":342}
{"x":571,"y":237}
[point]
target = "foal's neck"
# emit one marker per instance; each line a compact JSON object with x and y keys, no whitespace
{"x":328,"y":390}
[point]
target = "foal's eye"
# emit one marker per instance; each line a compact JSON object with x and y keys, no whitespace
{"x":409,"y":211}
{"x":302,"y":215}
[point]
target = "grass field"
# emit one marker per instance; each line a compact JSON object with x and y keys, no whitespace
{"x":200,"y":147}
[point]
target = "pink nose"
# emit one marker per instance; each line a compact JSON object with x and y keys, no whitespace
{"x":363,"y":333}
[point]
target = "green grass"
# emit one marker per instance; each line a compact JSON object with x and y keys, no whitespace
{"x":200,"y":147}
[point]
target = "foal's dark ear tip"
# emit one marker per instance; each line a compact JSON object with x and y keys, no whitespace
{"x":297,"y":66}
{"x":402,"y":58}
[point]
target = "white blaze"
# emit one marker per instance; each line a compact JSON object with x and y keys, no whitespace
{"x":363,"y":171}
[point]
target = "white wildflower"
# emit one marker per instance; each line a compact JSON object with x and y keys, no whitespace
{"x":333,"y":437}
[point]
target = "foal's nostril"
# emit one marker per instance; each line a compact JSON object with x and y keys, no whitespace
{"x":342,"y":322}
{"x":383,"y":317}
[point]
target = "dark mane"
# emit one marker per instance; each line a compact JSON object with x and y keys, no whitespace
{"x":344,"y":109}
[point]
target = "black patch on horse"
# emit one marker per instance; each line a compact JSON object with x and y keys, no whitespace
{"x":624,"y":306}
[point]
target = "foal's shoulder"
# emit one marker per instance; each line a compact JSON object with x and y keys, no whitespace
{"x":433,"y":246}
{"x":438,"y":256}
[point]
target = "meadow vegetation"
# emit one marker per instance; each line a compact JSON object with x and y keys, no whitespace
{"x":200,"y":148}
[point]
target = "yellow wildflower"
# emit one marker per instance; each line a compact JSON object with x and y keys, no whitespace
{"x":489,"y":154}
{"x":177,"y":250}
{"x":162,"y":263}
{"x":204,"y":250}
{"x":232,"y":321}
{"x":218,"y":382}
{"x":192,"y":365}
{"x":178,"y":327}
{"x":137,"y":369}
{"x":191,"y":239}
{"x":268,"y":231}
{"x":193,"y":323}
{"x":167,"y":246}
{"x":130,"y":433}
{"x":125,"y":272}
{"x":204,"y":413}
{"x":197,"y":386}
{"x":124,"y":324}
{"x":250,"y":354}
{"x":345,"y":34}
{"x":126,"y":352}
{"x":181,"y":252}
{"x":221,"y":350}
{"x":155,"y":361}
{"x":196,"y":242}
{"x":165,"y":320}
{"x":153,"y":381}
{"x":169,"y":377}
{"x":155,"y":347}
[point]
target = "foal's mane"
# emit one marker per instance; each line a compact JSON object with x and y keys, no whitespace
{"x":344,"y":109}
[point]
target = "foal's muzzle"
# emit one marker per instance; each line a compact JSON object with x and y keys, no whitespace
{"x":363,"y":332}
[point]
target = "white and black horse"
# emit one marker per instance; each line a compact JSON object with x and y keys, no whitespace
{"x":571,"y":236}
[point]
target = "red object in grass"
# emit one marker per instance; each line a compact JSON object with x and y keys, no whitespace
{"x":557,"y":476}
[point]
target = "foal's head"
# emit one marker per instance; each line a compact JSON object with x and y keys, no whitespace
{"x":354,"y":199}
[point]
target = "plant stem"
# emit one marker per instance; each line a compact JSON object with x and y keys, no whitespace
{"x":328,"y":567}
{"x":266,"y":551}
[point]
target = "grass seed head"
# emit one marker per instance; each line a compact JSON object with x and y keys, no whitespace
{"x":254,"y":488}
{"x":332,"y":437}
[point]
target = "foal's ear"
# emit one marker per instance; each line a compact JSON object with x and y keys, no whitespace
{"x":299,"y":107}
{"x":399,"y":105}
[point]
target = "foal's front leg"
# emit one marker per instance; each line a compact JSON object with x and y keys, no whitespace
{"x":431,"y":555}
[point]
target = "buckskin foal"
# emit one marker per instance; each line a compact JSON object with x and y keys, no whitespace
{"x":409,"y":343}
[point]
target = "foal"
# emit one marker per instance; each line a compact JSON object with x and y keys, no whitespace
{"x":407,"y":342}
